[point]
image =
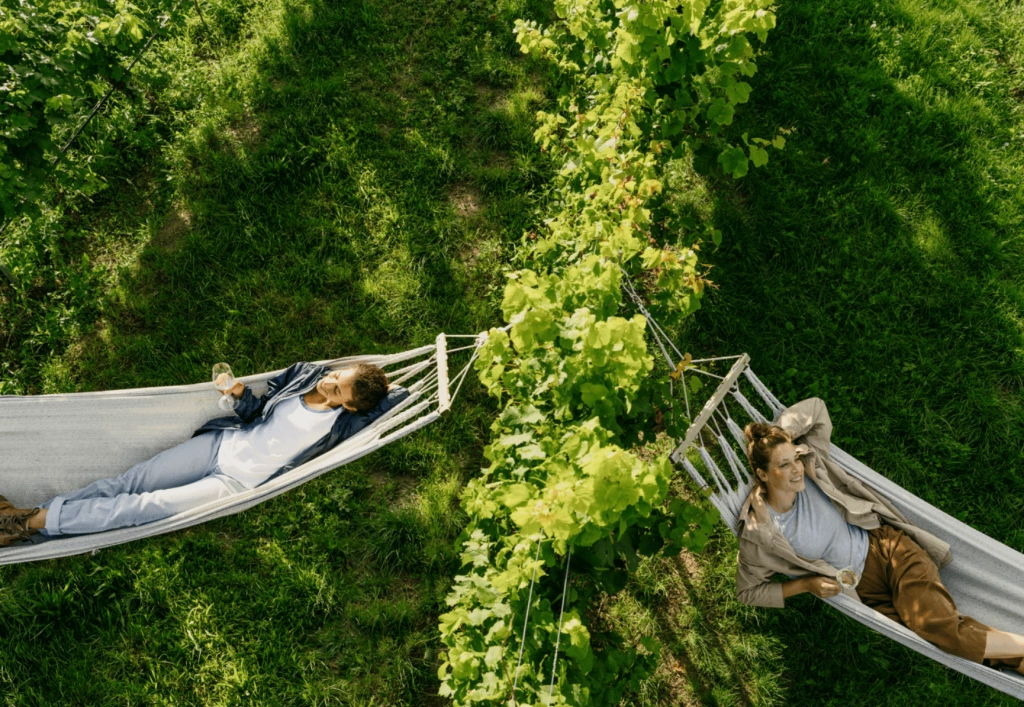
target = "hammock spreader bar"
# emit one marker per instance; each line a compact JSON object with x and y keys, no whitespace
{"x":986,"y":578}
{"x":104,"y":433}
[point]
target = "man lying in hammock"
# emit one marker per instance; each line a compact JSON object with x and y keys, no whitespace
{"x":807,"y":526}
{"x":306,"y":410}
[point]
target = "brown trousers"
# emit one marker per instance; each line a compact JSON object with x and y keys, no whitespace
{"x":901,"y":581}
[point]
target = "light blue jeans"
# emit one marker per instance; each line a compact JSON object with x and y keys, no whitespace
{"x":175,"y":480}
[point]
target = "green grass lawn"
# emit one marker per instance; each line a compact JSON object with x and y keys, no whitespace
{"x":877,"y":262}
{"x":338,"y":178}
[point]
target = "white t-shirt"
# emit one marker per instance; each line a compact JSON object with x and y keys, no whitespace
{"x":253,"y":456}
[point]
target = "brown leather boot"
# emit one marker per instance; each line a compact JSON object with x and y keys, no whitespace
{"x":14,"y":522}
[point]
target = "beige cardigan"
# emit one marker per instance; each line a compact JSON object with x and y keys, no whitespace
{"x":764,"y":550}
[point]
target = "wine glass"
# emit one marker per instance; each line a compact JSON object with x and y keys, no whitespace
{"x":847,"y":578}
{"x":224,"y":380}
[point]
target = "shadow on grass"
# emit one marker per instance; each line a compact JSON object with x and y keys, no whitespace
{"x":718,"y":649}
{"x":326,"y":207}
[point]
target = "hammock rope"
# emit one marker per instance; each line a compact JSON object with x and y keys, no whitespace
{"x":53,"y":444}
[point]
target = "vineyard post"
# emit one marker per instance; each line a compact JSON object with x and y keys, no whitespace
{"x":202,"y":19}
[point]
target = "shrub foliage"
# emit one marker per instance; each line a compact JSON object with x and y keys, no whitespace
{"x":56,"y":58}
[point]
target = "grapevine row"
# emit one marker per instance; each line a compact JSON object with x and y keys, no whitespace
{"x":641,"y":84}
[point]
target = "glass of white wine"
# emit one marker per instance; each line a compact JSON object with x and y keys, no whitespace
{"x":224,"y":380}
{"x":847,"y":578}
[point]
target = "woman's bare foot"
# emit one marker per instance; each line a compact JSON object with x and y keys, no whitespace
{"x":1003,"y":645}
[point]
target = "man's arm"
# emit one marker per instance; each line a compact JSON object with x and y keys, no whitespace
{"x":249,"y":406}
{"x":354,"y":422}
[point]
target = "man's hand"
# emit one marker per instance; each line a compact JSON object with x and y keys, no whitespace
{"x":237,"y":391}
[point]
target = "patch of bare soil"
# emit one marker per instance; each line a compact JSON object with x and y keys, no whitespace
{"x":179,"y":221}
{"x":470,"y":256}
{"x":492,"y":98}
{"x":246,"y":130}
{"x":466,"y":201}
{"x":691,"y":565}
{"x":499,"y":160}
{"x":402,"y":487}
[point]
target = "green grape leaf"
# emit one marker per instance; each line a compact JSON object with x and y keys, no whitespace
{"x":720,"y":112}
{"x":738,"y":92}
{"x":758,"y":155}
{"x":734,"y":161}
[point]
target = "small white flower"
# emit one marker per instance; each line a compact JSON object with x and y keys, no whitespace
{"x":874,"y":25}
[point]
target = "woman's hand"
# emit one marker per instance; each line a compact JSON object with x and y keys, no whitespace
{"x":823,"y":587}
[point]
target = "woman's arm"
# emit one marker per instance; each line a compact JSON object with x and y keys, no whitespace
{"x":754,"y":585}
{"x":794,"y":587}
{"x":808,"y":419}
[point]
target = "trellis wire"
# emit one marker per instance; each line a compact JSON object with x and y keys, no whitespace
{"x":526,"y":622}
{"x":561,"y":613}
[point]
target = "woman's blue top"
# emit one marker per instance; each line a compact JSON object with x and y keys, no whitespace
{"x":817,"y":530}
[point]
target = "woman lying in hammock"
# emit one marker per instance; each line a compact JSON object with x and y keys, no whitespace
{"x":808,"y":526}
{"x":306,"y":411}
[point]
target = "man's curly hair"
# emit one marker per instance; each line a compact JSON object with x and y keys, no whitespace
{"x":369,"y":387}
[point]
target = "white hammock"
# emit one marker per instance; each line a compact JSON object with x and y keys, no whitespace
{"x":986,"y":578}
{"x":53,"y":444}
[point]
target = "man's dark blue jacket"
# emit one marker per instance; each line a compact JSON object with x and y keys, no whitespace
{"x":298,"y":379}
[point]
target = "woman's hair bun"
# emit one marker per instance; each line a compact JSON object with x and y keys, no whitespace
{"x":757,"y":430}
{"x":761,"y":439}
